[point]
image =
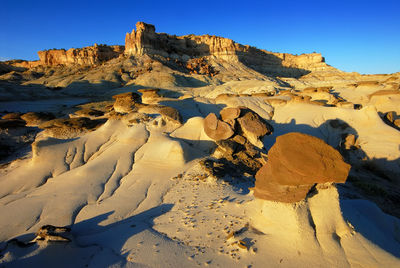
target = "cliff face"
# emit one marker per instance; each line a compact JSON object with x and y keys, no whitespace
{"x":80,"y":56}
{"x":186,"y":49}
{"x":146,"y":41}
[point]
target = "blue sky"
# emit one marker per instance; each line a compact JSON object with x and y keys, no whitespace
{"x":362,"y":36}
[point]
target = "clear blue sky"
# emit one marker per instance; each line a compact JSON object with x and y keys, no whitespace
{"x":362,"y":36}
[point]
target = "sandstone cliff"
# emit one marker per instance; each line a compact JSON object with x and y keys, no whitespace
{"x":81,"y":56}
{"x":74,"y":56}
{"x":197,"y":54}
{"x":144,"y":40}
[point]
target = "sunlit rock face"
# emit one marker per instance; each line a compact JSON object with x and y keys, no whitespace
{"x":295,"y":163}
{"x":145,"y":40}
{"x":81,"y":56}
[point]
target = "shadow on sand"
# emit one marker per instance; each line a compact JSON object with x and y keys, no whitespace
{"x":88,"y":237}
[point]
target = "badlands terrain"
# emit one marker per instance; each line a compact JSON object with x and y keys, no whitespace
{"x":185,"y":151}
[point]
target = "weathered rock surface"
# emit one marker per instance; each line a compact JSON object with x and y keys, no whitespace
{"x":254,"y":127}
{"x":217,"y":129}
{"x":149,"y":94}
{"x":145,"y":40}
{"x":125,"y":102}
{"x":12,"y":116}
{"x":295,"y":163}
{"x":79,"y":56}
{"x":251,"y":125}
{"x":88,"y":112}
{"x":392,"y":119}
{"x":66,"y":128}
{"x":37,"y":118}
{"x":50,"y":233}
{"x":229,"y":114}
{"x":170,"y":114}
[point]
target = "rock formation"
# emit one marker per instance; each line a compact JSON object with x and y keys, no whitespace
{"x":253,"y":127}
{"x":145,"y":40}
{"x":149,"y":94}
{"x":37,"y":118}
{"x":67,"y":128}
{"x":50,"y":233}
{"x":80,"y":56}
{"x":217,"y":129}
{"x":125,"y":102}
{"x":392,"y":119}
{"x":250,"y":125}
{"x":295,"y":163}
{"x":195,"y":54}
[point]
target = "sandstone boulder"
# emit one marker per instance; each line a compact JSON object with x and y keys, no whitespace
{"x":170,"y":114}
{"x":125,"y":102}
{"x":295,"y":163}
{"x":229,"y":113}
{"x":217,"y":129}
{"x":254,"y":127}
{"x":149,"y":94}
{"x":392,"y":119}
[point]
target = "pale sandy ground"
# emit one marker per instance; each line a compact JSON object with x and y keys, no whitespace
{"x":120,"y":189}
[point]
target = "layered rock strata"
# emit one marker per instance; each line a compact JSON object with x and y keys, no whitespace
{"x":193,"y":52}
{"x":79,"y":56}
{"x":145,"y":40}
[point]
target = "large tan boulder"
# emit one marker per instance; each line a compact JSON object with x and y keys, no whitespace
{"x":125,"y":102}
{"x":295,"y":163}
{"x":217,"y":129}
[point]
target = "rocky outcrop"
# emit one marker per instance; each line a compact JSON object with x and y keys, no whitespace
{"x":392,"y":119}
{"x":217,"y":129}
{"x":296,"y":162}
{"x":145,"y":40}
{"x":253,"y":127}
{"x":50,"y":233}
{"x":245,"y":122}
{"x":79,"y":56}
{"x":37,"y":118}
{"x":170,"y":114}
{"x":67,"y":128}
{"x":196,"y":54}
{"x":89,"y":113}
{"x":241,"y":121}
{"x":125,"y":102}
